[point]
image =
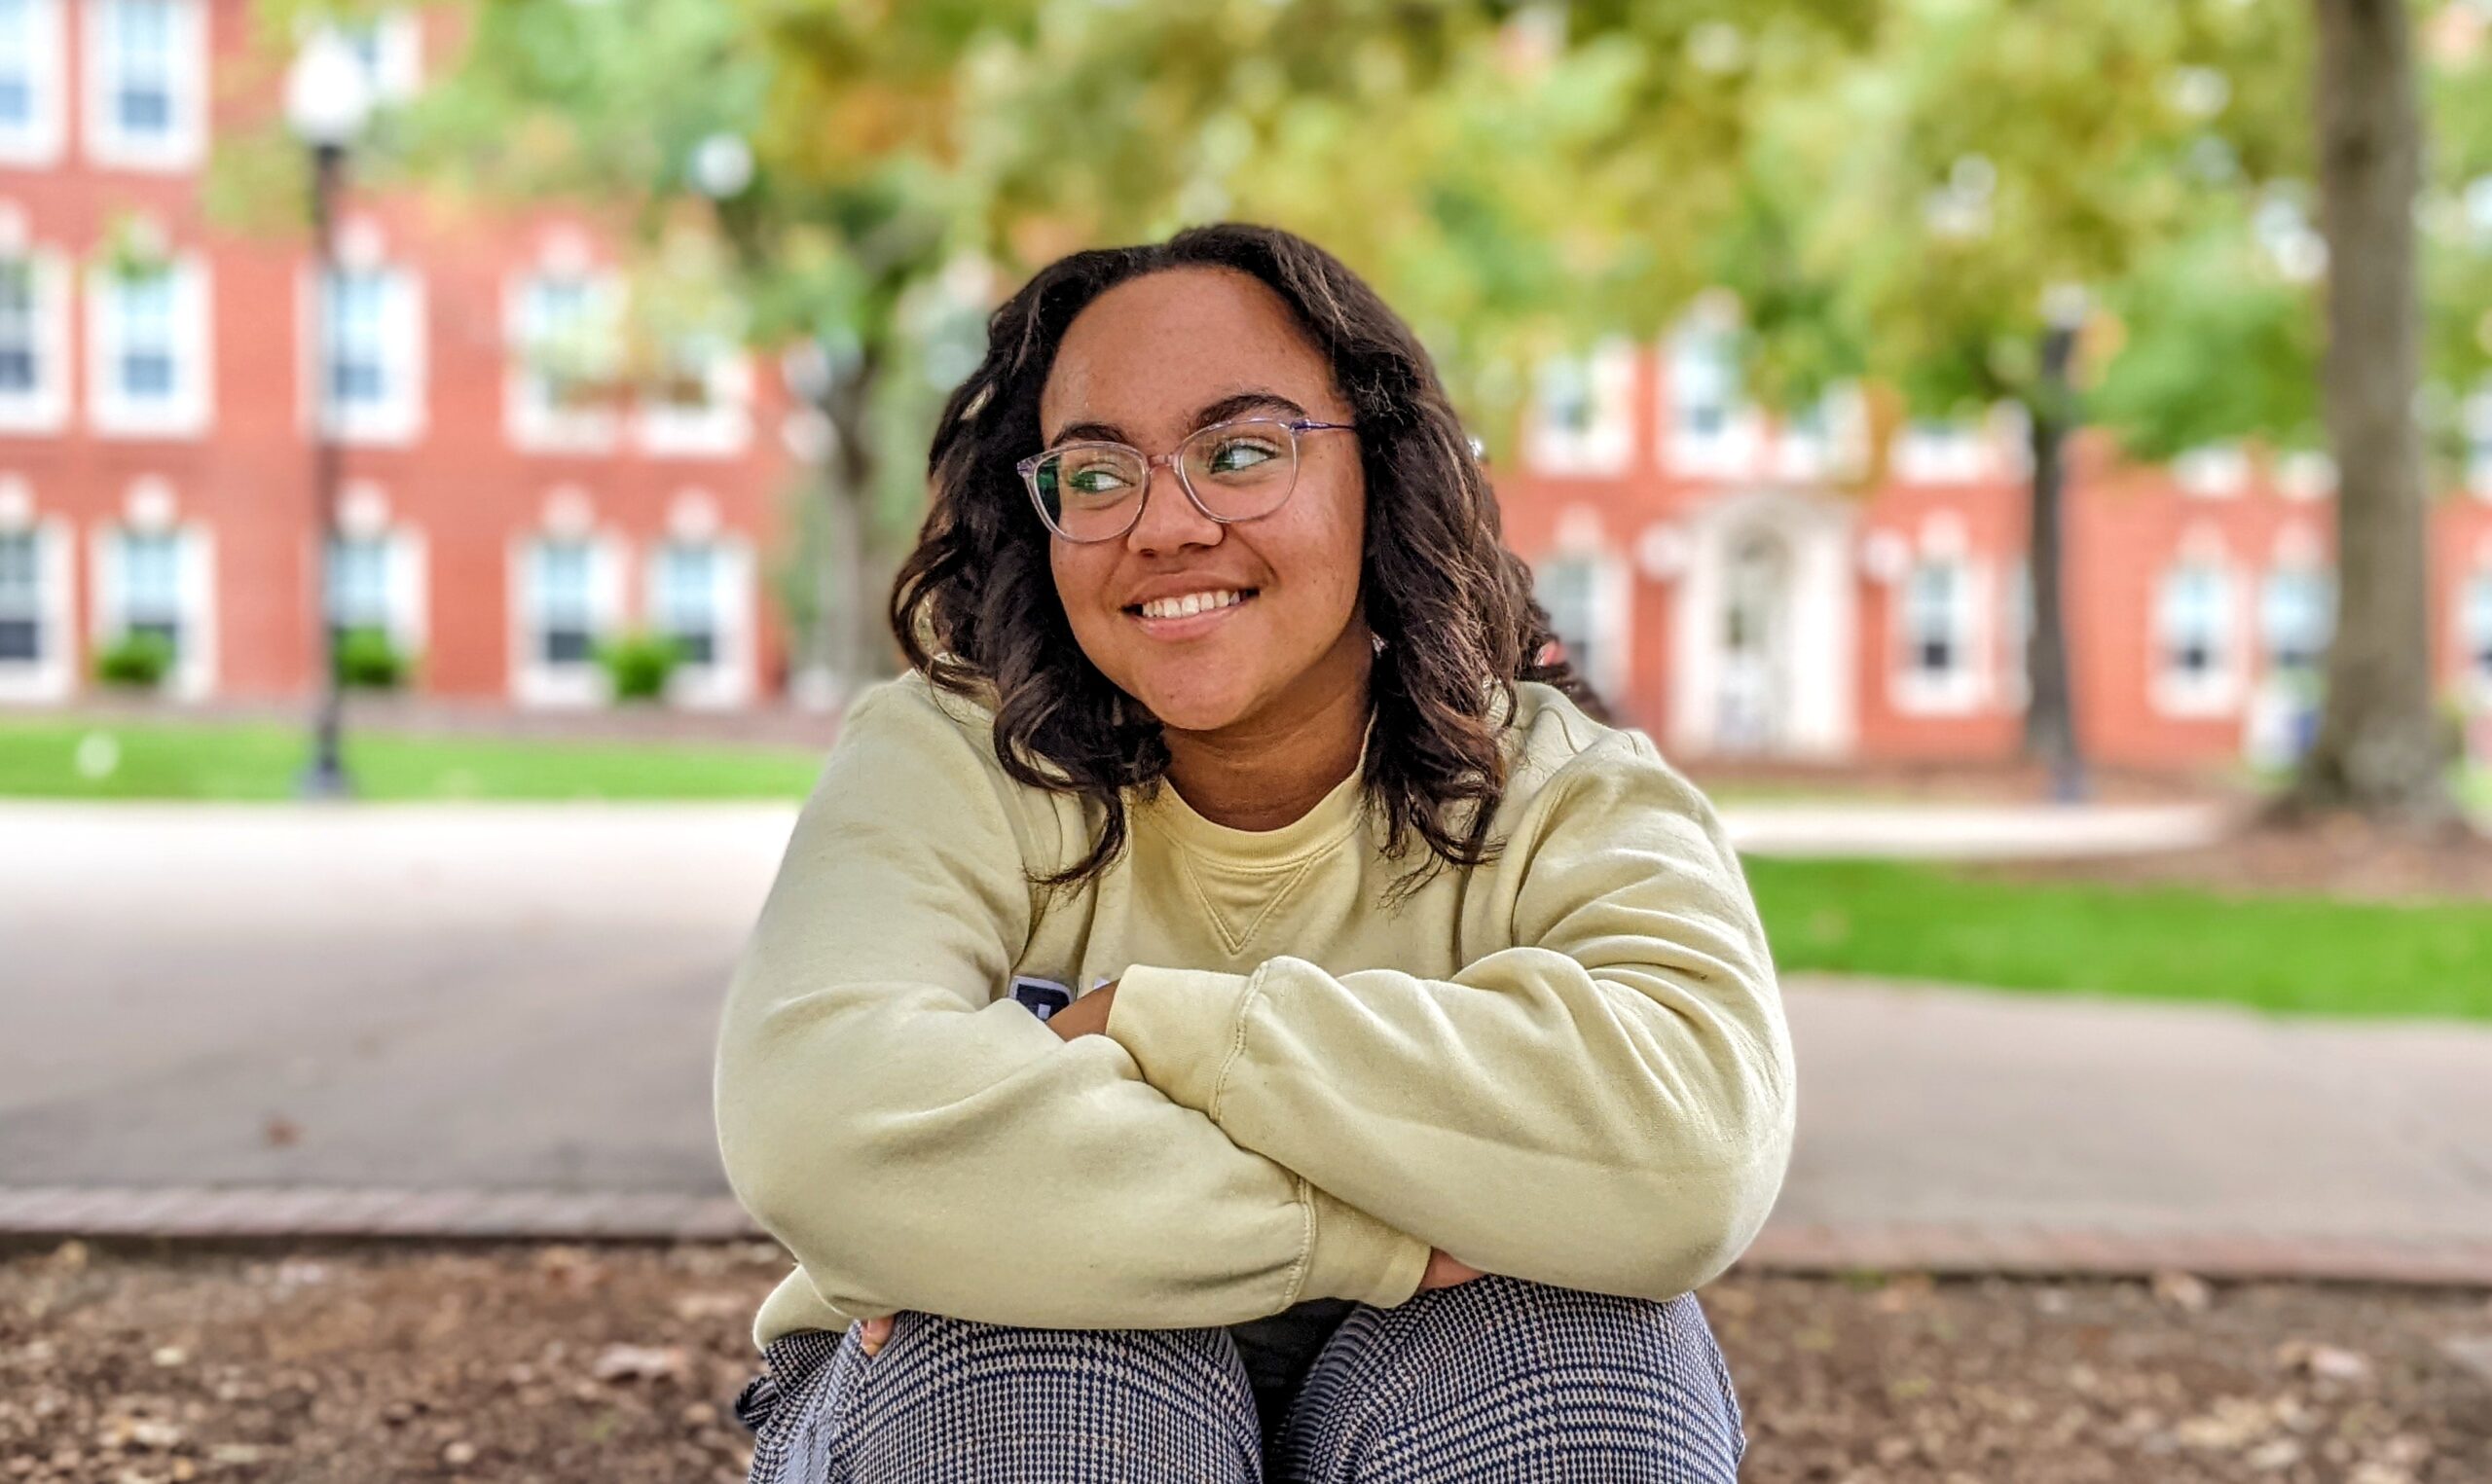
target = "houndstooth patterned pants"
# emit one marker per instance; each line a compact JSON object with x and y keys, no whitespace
{"x":1497,"y":1381}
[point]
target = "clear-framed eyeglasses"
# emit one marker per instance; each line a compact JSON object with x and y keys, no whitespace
{"x":1232,"y":471}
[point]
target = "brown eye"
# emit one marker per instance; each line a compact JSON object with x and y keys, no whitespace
{"x":1237,"y":455}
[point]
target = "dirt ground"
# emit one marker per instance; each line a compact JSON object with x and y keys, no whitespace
{"x":2337,"y":857}
{"x":616,"y":1365}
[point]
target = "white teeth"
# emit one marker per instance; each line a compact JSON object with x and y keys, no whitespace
{"x":1191,"y":604}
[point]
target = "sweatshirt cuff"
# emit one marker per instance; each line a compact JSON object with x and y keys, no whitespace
{"x":1181,"y":1028}
{"x":1354,"y":1255}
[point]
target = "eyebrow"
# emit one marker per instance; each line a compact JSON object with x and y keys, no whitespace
{"x":1204,"y":417}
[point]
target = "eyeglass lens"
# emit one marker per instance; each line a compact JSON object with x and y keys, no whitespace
{"x":1238,"y":471}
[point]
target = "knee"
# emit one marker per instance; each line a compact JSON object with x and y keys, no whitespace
{"x":952,"y":1398}
{"x":1565,"y":1384}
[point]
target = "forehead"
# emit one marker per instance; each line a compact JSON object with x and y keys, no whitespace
{"x":1150,"y":350}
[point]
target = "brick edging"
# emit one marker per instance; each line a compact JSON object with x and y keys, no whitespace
{"x":30,"y":1213}
{"x":2107,"y":1252}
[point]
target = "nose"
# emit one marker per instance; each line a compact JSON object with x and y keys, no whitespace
{"x":1170,"y":521}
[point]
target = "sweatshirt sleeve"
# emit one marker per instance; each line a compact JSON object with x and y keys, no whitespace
{"x":919,"y":1141}
{"x":1607,"y":1104}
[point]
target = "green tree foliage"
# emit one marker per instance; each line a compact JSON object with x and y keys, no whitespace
{"x":1515,"y":178}
{"x":2218,"y":342}
{"x":2457,"y":227}
{"x":1932,"y":187}
{"x":1966,"y":207}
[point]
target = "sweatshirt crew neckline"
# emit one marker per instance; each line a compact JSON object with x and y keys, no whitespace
{"x":1332,"y":819}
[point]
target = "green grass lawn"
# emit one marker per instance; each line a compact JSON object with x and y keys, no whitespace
{"x":2288,"y":954}
{"x":55,"y":759}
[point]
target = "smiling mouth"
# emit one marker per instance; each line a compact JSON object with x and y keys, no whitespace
{"x":1190,"y":605}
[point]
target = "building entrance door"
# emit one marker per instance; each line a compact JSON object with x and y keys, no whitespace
{"x":1752,"y":704}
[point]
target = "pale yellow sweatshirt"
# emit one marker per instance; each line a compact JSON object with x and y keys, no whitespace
{"x":1568,"y":1066}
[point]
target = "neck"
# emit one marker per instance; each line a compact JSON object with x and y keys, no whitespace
{"x":1269,"y":769}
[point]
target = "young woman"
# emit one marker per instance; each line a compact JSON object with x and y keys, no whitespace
{"x":1231,"y":1011}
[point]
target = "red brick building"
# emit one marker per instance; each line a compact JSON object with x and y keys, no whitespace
{"x":159,"y":388}
{"x":1729,"y":579}
{"x":1738,"y":586}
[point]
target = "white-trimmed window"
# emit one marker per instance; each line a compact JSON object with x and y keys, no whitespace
{"x":684,"y":592}
{"x":371,"y":377}
{"x":32,"y":63}
{"x":34,"y":344}
{"x":160,"y":580}
{"x":24,"y":612}
{"x":21,"y":598}
{"x":702,"y":404}
{"x":37,"y":661}
{"x":2297,"y":618}
{"x":151,"y":585}
{"x":358,"y":583}
{"x":22,"y":351}
{"x":148,"y":350}
{"x":1937,"y":630}
{"x":375,"y":583}
{"x":1586,"y":597}
{"x":2213,"y":472}
{"x":1823,"y":439}
{"x":2475,"y":633}
{"x":1582,"y":413}
{"x":570,"y":600}
{"x":566,"y":351}
{"x":373,"y":572}
{"x":1942,"y":452}
{"x":2305,"y":474}
{"x":1709,"y":427}
{"x":2196,"y":662}
{"x":561,"y":576}
{"x":701,"y":597}
{"x":146,"y":79}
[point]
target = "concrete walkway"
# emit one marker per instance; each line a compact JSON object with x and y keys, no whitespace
{"x":500,"y":1021}
{"x":1970,"y":832}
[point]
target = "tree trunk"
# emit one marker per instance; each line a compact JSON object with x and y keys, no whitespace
{"x":2050,"y":705}
{"x":2379,"y":750}
{"x":851,"y":619}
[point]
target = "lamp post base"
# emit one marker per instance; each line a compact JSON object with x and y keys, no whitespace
{"x":325,"y":779}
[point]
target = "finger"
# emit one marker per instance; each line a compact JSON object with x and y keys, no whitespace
{"x":876,"y":1333}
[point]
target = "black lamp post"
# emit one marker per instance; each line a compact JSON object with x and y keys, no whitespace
{"x":327,"y":101}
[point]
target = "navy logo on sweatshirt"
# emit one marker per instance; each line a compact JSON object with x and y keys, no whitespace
{"x":1043,"y":998}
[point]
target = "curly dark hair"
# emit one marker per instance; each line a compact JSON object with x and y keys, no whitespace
{"x":976,"y":608}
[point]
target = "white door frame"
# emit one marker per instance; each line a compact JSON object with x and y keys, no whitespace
{"x":1818,"y":707}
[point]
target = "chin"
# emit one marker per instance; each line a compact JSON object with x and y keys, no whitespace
{"x":1191,"y":706}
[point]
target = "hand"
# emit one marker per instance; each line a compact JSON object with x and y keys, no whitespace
{"x":1445,"y":1271}
{"x":875,"y":1334}
{"x":1086,"y":1015}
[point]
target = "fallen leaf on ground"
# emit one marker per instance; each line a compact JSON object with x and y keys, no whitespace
{"x":638,"y":1362}
{"x":2323,"y":1363}
{"x":2183,"y":1291}
{"x":2471,"y":1351}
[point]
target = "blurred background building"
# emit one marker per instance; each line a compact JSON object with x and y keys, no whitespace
{"x":1743,"y":585}
{"x":1739,"y":584}
{"x":160,"y":385}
